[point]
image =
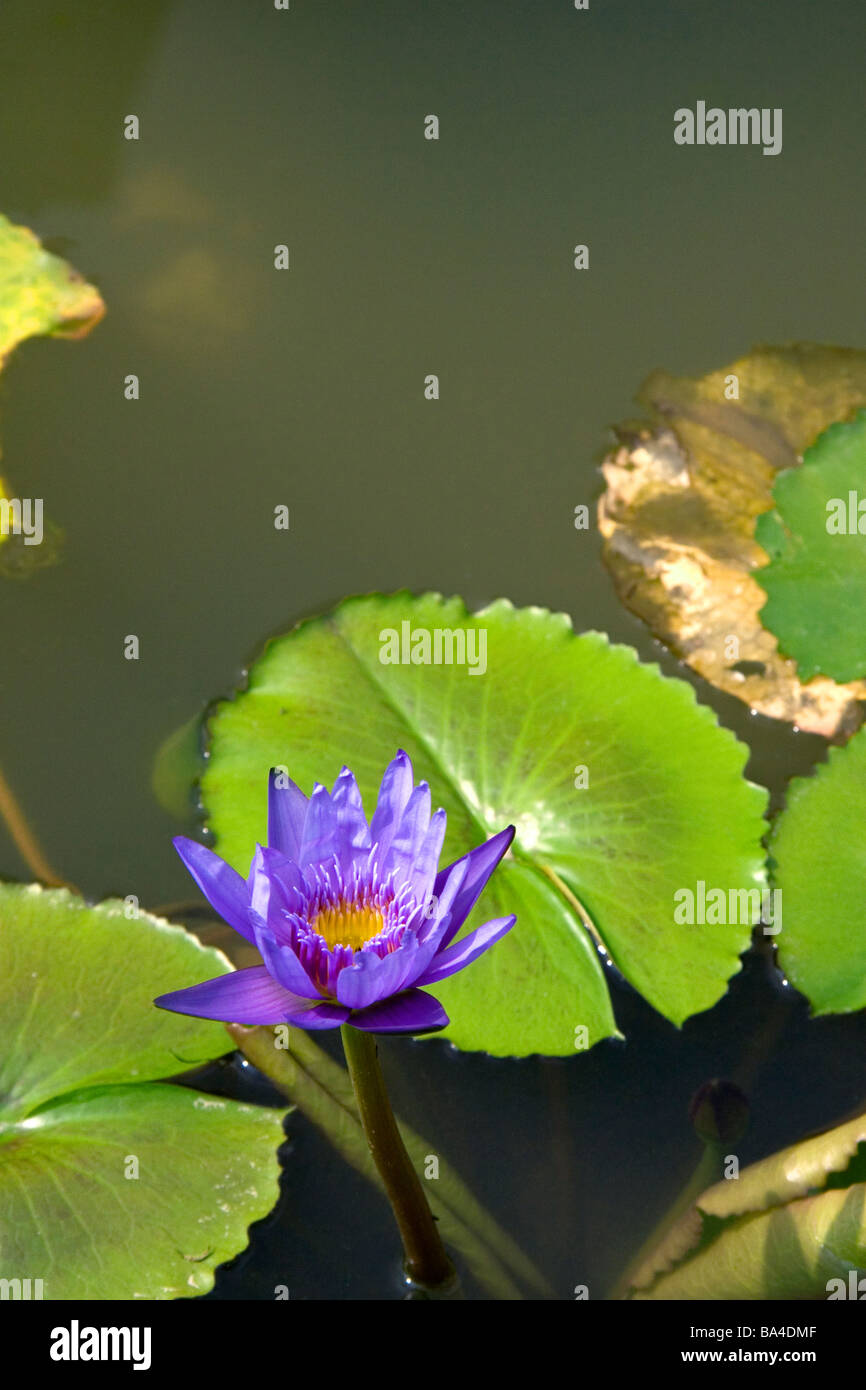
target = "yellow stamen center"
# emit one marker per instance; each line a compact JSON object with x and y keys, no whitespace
{"x":347,"y":925}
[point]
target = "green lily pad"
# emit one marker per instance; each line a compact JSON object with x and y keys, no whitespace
{"x":815,"y":536}
{"x":818,"y":848}
{"x":783,"y":1229}
{"x":113,"y":1185}
{"x":592,"y":866}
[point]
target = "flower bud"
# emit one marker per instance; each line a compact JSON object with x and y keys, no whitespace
{"x":719,"y":1112}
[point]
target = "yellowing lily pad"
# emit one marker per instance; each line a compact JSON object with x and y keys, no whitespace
{"x":39,"y":294}
{"x":791,"y":1226}
{"x":678,"y":516}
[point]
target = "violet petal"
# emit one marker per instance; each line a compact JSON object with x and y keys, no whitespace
{"x":463,"y":952}
{"x":283,"y":964}
{"x":394,"y":793}
{"x":349,"y":808}
{"x":413,"y":1011}
{"x":482,"y":861}
{"x":223,"y":887}
{"x":244,"y":996}
{"x":370,"y":977}
{"x":287,"y":812}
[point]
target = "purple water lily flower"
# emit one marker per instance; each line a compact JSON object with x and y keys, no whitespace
{"x":351,"y":918}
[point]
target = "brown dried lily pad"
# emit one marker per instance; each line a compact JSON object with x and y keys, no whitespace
{"x":678,"y":517}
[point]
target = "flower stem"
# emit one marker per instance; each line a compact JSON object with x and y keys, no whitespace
{"x":427,"y":1264}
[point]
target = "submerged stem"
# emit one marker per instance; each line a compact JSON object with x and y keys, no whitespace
{"x":707,"y":1172}
{"x":25,"y":841}
{"x":427,"y":1264}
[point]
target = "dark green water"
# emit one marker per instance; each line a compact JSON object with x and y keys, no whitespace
{"x":305,"y":388}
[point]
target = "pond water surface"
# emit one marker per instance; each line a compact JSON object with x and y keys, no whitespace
{"x":258,"y":388}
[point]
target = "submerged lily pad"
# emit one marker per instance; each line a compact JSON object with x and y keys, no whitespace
{"x":590,"y":754}
{"x":818,"y":848}
{"x":816,"y":540}
{"x":679,"y":513}
{"x":783,"y":1229}
{"x":114,"y":1184}
{"x":176,"y":767}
